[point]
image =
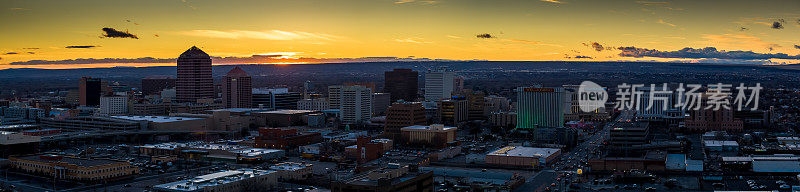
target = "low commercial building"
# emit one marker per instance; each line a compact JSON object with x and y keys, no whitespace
{"x":277,"y":138}
{"x":522,"y":156}
{"x":165,"y":123}
{"x":224,"y":152}
{"x":257,"y":155}
{"x":281,"y":118}
{"x":776,"y":164}
{"x":391,"y":178}
{"x":73,"y":168}
{"x":436,"y":135}
{"x":714,"y":145}
{"x":11,"y":138}
{"x":93,"y":123}
{"x":367,"y":149}
{"x":651,"y":161}
{"x":293,"y":171}
{"x":13,"y":143}
{"x":231,"y":180}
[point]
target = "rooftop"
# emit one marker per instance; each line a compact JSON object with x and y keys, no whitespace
{"x":434,"y":127}
{"x":156,"y":119}
{"x":287,"y":111}
{"x":194,"y":52}
{"x":236,"y":72}
{"x":218,"y":178}
{"x":255,"y":151}
{"x":270,"y":91}
{"x":517,"y":151}
{"x":238,"y":110}
{"x":289,"y":166}
{"x":70,"y":160}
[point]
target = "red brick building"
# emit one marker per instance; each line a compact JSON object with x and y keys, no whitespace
{"x":368,"y":149}
{"x":403,"y":114}
{"x":713,"y":120}
{"x":279,"y":138}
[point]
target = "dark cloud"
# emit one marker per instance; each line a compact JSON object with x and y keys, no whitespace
{"x":743,"y":29}
{"x":485,"y":36}
{"x":113,"y":33}
{"x":577,"y":57}
{"x":597,"y":46}
{"x":31,"y":48}
{"x":704,"y":53}
{"x":797,"y":46}
{"x":777,"y":25}
{"x":11,"y":53}
{"x":30,"y":52}
{"x":80,"y":46}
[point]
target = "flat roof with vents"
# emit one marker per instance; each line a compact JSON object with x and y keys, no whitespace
{"x":156,"y":119}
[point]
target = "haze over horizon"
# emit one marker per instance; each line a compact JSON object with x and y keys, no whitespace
{"x":54,"y":35}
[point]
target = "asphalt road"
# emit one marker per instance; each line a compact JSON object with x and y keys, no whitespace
{"x":570,"y":162}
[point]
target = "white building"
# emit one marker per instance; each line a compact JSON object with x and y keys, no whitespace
{"x":313,"y":104}
{"x":113,"y":105}
{"x":354,"y":102}
{"x":293,"y":171}
{"x":438,"y":84}
{"x":10,"y":138}
{"x":231,"y":180}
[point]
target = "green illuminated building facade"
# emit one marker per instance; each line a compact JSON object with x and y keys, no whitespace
{"x":541,"y":107}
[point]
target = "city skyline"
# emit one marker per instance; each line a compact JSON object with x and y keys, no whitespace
{"x":108,"y":34}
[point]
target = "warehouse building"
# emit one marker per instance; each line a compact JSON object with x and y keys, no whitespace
{"x":522,"y":156}
{"x":231,"y":180}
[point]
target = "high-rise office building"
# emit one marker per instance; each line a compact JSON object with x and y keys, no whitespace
{"x":380,"y":101}
{"x":494,"y":103}
{"x":90,"y":91}
{"x":458,"y":83}
{"x":354,"y":102}
{"x":438,"y":84}
{"x":279,"y":98}
{"x":453,"y":111}
{"x":541,"y":107}
{"x":194,"y":76}
{"x":114,"y":105}
{"x":153,"y":85}
{"x":476,"y":102}
{"x":403,"y":114}
{"x":370,"y":85}
{"x":401,"y":84}
{"x":237,"y":89}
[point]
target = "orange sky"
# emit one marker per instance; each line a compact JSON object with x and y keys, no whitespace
{"x":521,"y":29}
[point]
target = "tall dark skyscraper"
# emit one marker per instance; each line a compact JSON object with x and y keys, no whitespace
{"x":155,"y":84}
{"x":401,"y":84}
{"x":237,"y":89}
{"x":90,"y":90}
{"x":194,"y":76}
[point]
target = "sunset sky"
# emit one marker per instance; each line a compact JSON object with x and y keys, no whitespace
{"x":524,"y":30}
